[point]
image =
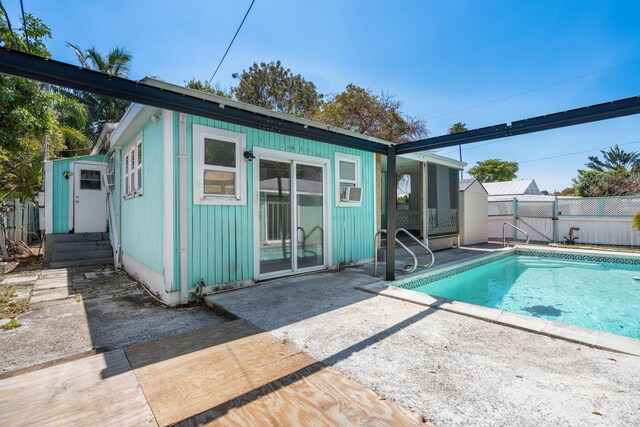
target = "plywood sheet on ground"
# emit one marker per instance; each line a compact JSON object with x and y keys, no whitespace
{"x":97,"y":390}
{"x":250,"y":377}
{"x":315,"y":395}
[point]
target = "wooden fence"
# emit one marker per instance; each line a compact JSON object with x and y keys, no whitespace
{"x":21,"y":221}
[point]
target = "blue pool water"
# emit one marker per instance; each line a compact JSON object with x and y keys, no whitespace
{"x":592,"y":295}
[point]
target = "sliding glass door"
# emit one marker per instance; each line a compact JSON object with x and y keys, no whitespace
{"x":291,"y":216}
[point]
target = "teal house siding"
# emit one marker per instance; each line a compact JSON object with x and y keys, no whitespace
{"x":220,"y":238}
{"x":141,"y":217}
{"x":60,"y":210}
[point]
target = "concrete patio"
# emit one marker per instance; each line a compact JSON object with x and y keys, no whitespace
{"x":448,"y":368}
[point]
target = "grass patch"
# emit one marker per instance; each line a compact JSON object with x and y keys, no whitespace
{"x":11,"y":324}
{"x":601,"y":248}
{"x":8,"y":306}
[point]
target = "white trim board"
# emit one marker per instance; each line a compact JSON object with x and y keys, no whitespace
{"x":168,"y":198}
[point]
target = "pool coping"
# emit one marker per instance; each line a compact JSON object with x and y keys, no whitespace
{"x":589,"y":337}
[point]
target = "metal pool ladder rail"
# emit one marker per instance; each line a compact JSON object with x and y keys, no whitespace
{"x":408,"y":268}
{"x":425,"y":247}
{"x":504,"y":233}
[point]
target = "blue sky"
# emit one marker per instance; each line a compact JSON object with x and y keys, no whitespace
{"x":437,"y":57}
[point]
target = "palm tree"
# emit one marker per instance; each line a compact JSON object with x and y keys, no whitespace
{"x":614,"y":159}
{"x":103,"y":109}
{"x":458,"y":128}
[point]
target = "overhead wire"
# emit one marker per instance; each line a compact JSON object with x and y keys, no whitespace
{"x":581,"y":76}
{"x":232,"y":40}
{"x":580,"y":152}
{"x":24,"y":27}
{"x":6,"y":16}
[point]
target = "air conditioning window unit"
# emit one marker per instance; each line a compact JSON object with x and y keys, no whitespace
{"x":107,"y":180}
{"x":350,"y":194}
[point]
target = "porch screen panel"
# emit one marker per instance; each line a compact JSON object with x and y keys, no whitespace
{"x":442,"y":200}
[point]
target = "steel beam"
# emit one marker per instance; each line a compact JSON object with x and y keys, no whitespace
{"x":21,"y":64}
{"x":593,"y":113}
{"x":392,"y":196}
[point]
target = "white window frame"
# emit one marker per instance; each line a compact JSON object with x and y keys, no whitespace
{"x":132,"y":182}
{"x":350,"y":158}
{"x":240,"y":140}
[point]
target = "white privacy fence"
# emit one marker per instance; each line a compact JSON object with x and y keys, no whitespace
{"x":600,"y":220}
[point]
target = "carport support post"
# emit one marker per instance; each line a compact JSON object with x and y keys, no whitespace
{"x":392,"y":195}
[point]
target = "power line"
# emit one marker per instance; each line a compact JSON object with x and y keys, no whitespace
{"x":531,"y":90}
{"x":6,"y":15}
{"x":579,"y":152}
{"x":232,"y":40}
{"x":24,"y":27}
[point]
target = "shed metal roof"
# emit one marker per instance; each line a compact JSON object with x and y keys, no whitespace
{"x":515,"y":187}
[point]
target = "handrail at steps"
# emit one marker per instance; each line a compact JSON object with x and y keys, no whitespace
{"x":504,"y":233}
{"x":425,"y":247}
{"x":406,"y":269}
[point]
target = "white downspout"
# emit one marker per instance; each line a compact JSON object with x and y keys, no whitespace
{"x":182,"y":177}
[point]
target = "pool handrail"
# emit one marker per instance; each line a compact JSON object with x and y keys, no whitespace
{"x":406,"y":269}
{"x":425,"y":247}
{"x":504,"y":233}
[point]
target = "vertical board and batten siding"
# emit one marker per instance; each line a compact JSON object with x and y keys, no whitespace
{"x":141,"y":217}
{"x":220,"y":238}
{"x":61,"y":190}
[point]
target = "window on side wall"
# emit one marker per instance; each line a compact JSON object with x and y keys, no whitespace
{"x":218,"y":166}
{"x":347,"y":168}
{"x":132,"y":169}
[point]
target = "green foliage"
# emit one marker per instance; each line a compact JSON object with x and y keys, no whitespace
{"x":102,"y":109}
{"x":593,"y":183}
{"x":494,"y":170}
{"x":11,"y":324}
{"x":360,"y":110}
{"x":29,"y":112}
{"x":197,"y":295}
{"x":274,"y":87}
{"x":614,"y":159}
{"x":457,"y":128}
{"x":569,"y":191}
{"x":206,"y":87}
{"x":635,"y":224}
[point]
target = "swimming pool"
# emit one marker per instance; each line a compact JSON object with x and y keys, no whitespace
{"x":590,"y":291}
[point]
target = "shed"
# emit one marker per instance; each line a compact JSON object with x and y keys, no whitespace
{"x":474,"y":219}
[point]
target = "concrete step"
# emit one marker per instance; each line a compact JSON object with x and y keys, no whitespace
{"x":81,"y":262}
{"x":83,"y":246}
{"x":79,"y":237}
{"x":76,"y":255}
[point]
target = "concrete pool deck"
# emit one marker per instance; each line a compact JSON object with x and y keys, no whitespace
{"x":443,"y":366}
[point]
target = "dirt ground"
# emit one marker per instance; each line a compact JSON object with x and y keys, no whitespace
{"x":75,"y":310}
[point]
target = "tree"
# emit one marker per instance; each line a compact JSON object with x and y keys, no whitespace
{"x":593,"y":183}
{"x":102,"y":109}
{"x":360,"y":110}
{"x":569,"y":191}
{"x":458,"y":127}
{"x":29,"y":113}
{"x":206,"y":87}
{"x":274,"y":87}
{"x":614,"y":159}
{"x":494,"y":170}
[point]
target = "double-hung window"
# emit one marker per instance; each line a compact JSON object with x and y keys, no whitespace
{"x":132,"y":169}
{"x":347,"y":175}
{"x":218,"y":166}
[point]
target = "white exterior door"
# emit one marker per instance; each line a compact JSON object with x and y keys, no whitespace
{"x":89,"y":198}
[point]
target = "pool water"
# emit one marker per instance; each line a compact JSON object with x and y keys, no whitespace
{"x":591,"y":295}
